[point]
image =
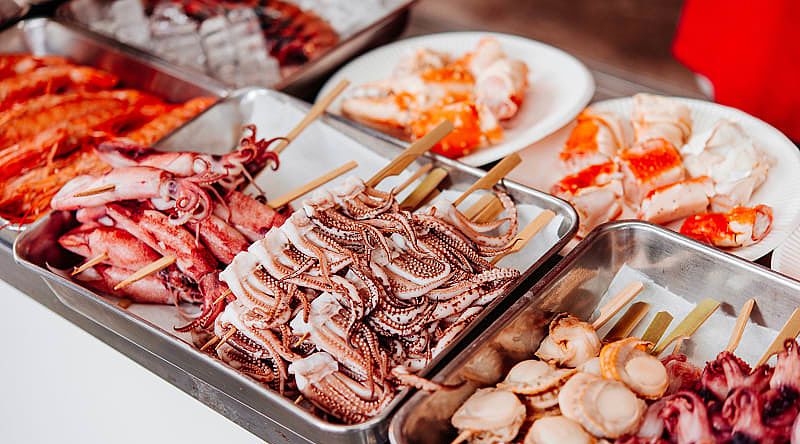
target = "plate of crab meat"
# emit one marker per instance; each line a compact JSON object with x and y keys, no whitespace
{"x":710,"y":172}
{"x":592,"y":382}
{"x":502,"y":92}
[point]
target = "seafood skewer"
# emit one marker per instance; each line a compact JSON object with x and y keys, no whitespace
{"x":497,"y":173}
{"x":312,"y":185}
{"x":741,"y":323}
{"x":790,"y":330}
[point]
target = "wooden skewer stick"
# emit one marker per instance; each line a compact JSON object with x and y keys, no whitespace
{"x":298,"y":400}
{"x":472,"y":212}
{"x":489,"y":213}
{"x":411,"y":179}
{"x":424,"y":189}
{"x":494,"y":175}
{"x":690,"y":323}
{"x":632,"y":317}
{"x":310,"y":186}
{"x":97,"y":190}
{"x":658,"y":326}
{"x":221,"y":297}
{"x":741,"y":323}
{"x":152,"y":267}
{"x":463,"y":436}
{"x":527,"y":233}
{"x":301,"y":339}
{"x":210,"y":342}
{"x":613,"y":306}
{"x":789,"y":330}
{"x":90,"y":263}
{"x":416,"y":149}
{"x":319,"y":107}
{"x":232,"y":331}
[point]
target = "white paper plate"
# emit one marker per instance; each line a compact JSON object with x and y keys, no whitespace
{"x":559,"y":85}
{"x":541,"y":168}
{"x":786,"y":258}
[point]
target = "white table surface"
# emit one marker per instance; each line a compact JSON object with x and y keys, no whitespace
{"x":58,"y":384}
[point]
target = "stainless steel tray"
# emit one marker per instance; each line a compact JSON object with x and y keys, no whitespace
{"x":305,"y":78}
{"x":689,"y":269}
{"x":43,"y":36}
{"x":253,"y":406}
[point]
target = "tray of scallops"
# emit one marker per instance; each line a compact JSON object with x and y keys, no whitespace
{"x":62,"y":94}
{"x":710,"y":172}
{"x":638,"y":336}
{"x":308,"y":277}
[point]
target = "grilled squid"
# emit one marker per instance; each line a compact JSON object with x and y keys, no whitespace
{"x":627,"y":360}
{"x":492,"y":415}
{"x":571,"y":342}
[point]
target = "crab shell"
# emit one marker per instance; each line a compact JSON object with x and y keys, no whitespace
{"x":571,"y":342}
{"x":496,"y":415}
{"x":627,"y":360}
{"x":605,"y":408}
{"x":533,"y":377}
{"x":557,"y":430}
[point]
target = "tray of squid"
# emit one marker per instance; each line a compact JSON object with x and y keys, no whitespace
{"x":639,"y":335}
{"x":308,"y":318}
{"x":63,"y":91}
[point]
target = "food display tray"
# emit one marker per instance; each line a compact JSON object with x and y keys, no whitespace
{"x":304,"y":80}
{"x":42,"y":36}
{"x":689,"y":269}
{"x":246,"y":402}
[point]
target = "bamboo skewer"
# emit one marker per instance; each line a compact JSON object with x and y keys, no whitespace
{"x":790,"y":330}
{"x":494,"y":175}
{"x":489,"y":213}
{"x":310,"y":186}
{"x":484,"y":202}
{"x":319,"y":107}
{"x":90,"y":263}
{"x":424,"y":189}
{"x":411,"y":179}
{"x":690,"y":323}
{"x":658,"y":326}
{"x":463,"y":436}
{"x":97,"y":190}
{"x":741,"y":323}
{"x":416,"y":149}
{"x":152,"y":267}
{"x":625,"y":325}
{"x":210,"y":342}
{"x":221,"y":297}
{"x":527,"y":233}
{"x":232,"y":331}
{"x":613,"y":306}
{"x":302,"y":338}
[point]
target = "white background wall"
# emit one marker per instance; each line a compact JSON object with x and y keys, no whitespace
{"x":60,"y":384}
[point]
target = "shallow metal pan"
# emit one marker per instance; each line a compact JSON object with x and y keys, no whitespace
{"x":689,"y":269}
{"x":303,"y":81}
{"x":42,"y":36}
{"x":253,"y":406}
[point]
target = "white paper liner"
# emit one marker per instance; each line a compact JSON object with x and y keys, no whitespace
{"x":710,"y":339}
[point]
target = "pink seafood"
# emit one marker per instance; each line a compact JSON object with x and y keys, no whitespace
{"x":739,"y":227}
{"x":656,"y":117}
{"x":183,"y":195}
{"x":677,"y":200}
{"x":595,"y":192}
{"x":596,"y":139}
{"x":122,"y":249}
{"x":649,"y":165}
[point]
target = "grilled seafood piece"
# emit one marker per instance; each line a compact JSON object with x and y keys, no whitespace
{"x":557,"y":430}
{"x":533,"y":377}
{"x":657,"y":117}
{"x":162,"y":288}
{"x":677,"y":201}
{"x":730,"y":158}
{"x":729,"y":372}
{"x":596,"y":139}
{"x":12,"y":65}
{"x":647,"y":166}
{"x":169,"y":121}
{"x":627,"y":360}
{"x":596,"y":194}
{"x":475,"y":127}
{"x":686,"y":419}
{"x":571,"y":342}
{"x":122,"y":249}
{"x":490,"y":416}
{"x":740,"y":227}
{"x":184,"y":195}
{"x":51,"y":79}
{"x":605,"y":408}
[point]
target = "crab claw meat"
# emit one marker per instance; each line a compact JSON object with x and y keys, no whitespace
{"x":595,"y":139}
{"x":595,"y":192}
{"x":739,"y":227}
{"x":657,"y":117}
{"x":676,"y":201}
{"x":647,"y":166}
